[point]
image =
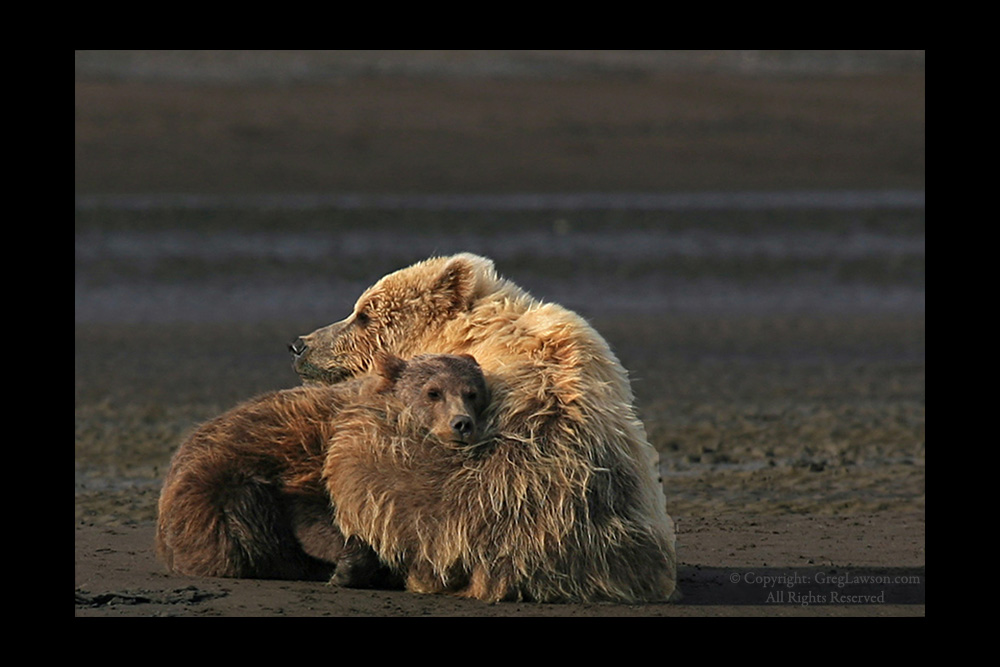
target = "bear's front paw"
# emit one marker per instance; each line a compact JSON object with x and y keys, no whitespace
{"x":361,"y":568}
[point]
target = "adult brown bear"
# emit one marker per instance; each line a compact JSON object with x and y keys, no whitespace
{"x":560,"y":502}
{"x":245,"y":496}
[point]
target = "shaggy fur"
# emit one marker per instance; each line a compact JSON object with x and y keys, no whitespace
{"x":245,"y":497}
{"x":559,"y":502}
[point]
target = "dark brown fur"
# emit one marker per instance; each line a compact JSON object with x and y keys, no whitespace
{"x":245,"y":494}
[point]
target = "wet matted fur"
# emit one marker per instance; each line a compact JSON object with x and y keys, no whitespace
{"x":561,"y":501}
{"x":245,"y":496}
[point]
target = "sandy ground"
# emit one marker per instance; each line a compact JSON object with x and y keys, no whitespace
{"x":117,"y":575}
{"x":778,"y":357}
{"x":791,"y":445}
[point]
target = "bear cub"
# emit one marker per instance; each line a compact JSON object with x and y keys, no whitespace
{"x":245,"y":494}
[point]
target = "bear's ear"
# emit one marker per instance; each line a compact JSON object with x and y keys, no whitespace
{"x":455,"y":286}
{"x":470,"y":358}
{"x":388,"y":366}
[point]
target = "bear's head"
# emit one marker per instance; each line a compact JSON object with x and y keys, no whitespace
{"x":445,"y":392}
{"x":399,"y":314}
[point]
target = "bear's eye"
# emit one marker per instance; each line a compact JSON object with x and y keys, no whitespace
{"x":434,"y":394}
{"x":471,"y":395}
{"x":362,"y":318}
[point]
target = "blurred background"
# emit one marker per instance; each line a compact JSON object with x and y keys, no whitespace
{"x":746,"y":228}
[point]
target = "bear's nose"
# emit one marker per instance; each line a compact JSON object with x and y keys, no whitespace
{"x":297,"y":347}
{"x":462,"y":425}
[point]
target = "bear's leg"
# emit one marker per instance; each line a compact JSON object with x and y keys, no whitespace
{"x":489,"y":586}
{"x":224,"y":522}
{"x":315,"y":529}
{"x":260,"y":525}
{"x":360,"y":567}
{"x":422,"y":577}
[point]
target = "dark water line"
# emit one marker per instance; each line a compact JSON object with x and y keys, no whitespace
{"x":638,"y":201}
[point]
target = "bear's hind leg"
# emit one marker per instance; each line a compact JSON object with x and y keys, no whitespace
{"x":221,"y":523}
{"x":260,"y":528}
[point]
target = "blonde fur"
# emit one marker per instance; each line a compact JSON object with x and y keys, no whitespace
{"x":559,"y":502}
{"x":245,"y":494}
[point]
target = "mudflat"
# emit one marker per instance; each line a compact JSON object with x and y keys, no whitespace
{"x":777,"y":355}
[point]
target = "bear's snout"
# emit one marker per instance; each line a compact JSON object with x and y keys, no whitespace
{"x":463,"y":427}
{"x":297,"y":347}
